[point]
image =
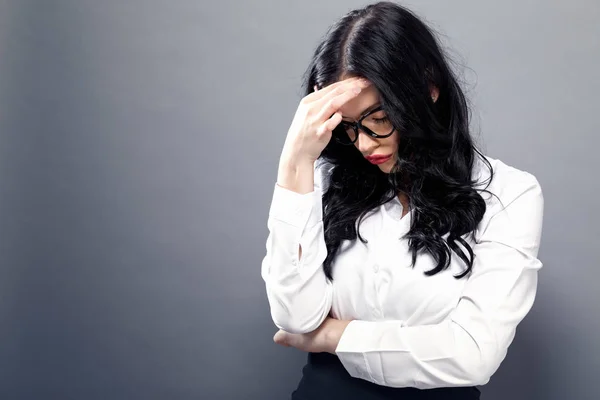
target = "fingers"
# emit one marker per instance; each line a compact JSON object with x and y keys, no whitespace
{"x":333,"y":103}
{"x":286,"y":339}
{"x":281,"y":338}
{"x":328,"y":126}
{"x":343,"y":88}
{"x":320,"y":93}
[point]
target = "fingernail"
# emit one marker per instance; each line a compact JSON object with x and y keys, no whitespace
{"x":357,"y":90}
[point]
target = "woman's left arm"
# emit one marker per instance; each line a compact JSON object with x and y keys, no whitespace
{"x":468,"y":346}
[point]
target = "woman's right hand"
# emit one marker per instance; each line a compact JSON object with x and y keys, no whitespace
{"x":316,"y":117}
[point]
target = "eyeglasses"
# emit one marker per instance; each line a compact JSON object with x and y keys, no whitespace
{"x":374,"y":126}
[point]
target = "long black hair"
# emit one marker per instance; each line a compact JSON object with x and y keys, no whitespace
{"x":391,"y":47}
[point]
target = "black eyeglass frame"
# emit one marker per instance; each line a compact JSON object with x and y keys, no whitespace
{"x":356,"y":126}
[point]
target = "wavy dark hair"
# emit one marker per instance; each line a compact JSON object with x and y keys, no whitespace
{"x":391,"y":47}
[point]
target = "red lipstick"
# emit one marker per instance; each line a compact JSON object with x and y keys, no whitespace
{"x":378,"y":159}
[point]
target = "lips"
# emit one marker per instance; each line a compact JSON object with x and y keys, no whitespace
{"x":378,"y":159}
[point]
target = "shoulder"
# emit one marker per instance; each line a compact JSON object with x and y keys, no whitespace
{"x":514,"y":198}
{"x":504,"y":184}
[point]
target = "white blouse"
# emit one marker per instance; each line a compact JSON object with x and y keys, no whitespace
{"x":409,"y":329}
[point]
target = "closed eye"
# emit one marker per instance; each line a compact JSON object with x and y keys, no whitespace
{"x":381,"y":120}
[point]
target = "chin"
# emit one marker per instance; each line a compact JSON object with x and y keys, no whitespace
{"x":387,"y":167}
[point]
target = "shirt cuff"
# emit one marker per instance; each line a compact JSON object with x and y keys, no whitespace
{"x":356,"y":343}
{"x":351,"y":358}
{"x":299,"y":210}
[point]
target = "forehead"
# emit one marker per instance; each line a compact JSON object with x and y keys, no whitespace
{"x":354,"y":108}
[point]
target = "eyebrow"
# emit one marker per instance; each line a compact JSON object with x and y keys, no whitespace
{"x":366,"y":111}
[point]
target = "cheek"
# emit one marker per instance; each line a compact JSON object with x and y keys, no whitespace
{"x":393,"y":140}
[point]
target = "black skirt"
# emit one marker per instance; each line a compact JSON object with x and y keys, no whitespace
{"x":325,"y":378}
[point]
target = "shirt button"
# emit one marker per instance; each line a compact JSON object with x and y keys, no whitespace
{"x":376,"y":268}
{"x":294,"y":263}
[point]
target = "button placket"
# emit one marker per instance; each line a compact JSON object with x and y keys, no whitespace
{"x":378,"y":257}
{"x":375,"y":303}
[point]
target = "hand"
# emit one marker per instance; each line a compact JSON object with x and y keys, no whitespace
{"x":323,"y":339}
{"x":316,"y":117}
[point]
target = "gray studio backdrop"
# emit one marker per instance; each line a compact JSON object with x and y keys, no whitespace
{"x":139,"y":148}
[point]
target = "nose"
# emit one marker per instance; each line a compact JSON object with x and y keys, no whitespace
{"x":365,"y":143}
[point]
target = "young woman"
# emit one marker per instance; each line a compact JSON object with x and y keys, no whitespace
{"x":399,"y":257}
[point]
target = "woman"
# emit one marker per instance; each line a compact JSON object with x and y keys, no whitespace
{"x":399,"y":257}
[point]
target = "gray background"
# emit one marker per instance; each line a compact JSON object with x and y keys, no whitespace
{"x":139,"y":148}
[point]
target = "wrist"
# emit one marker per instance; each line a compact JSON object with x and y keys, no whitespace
{"x":334,"y":335}
{"x":296,"y":174}
{"x":295,"y":161}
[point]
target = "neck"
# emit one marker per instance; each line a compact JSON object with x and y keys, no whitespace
{"x":404,"y":201}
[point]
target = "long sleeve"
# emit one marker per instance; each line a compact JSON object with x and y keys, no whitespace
{"x":468,"y":346}
{"x":298,"y":291}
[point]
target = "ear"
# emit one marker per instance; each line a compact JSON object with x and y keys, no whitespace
{"x":435,"y":92}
